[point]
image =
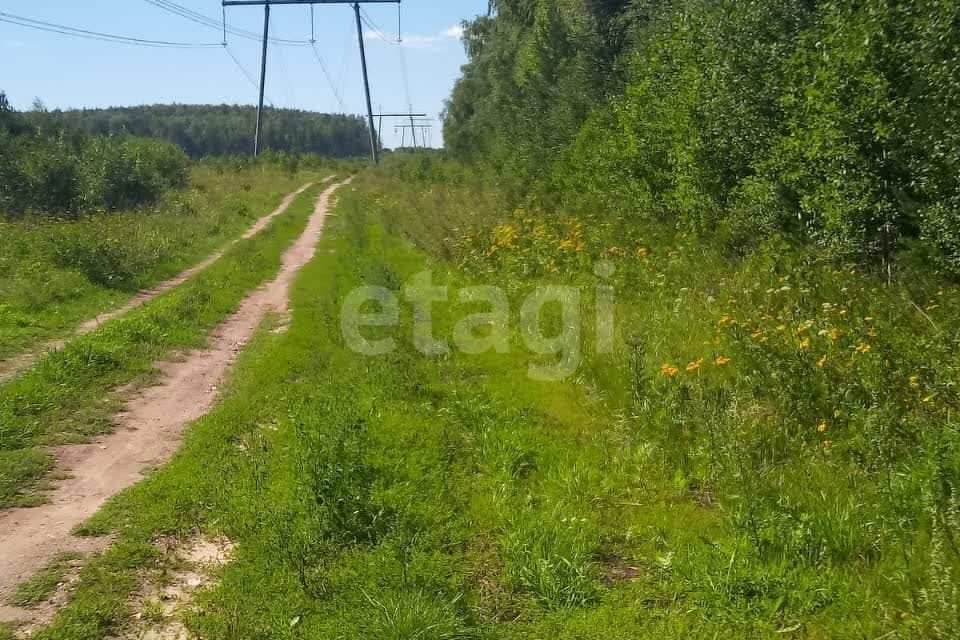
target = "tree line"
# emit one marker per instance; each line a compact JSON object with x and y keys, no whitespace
{"x":217,"y":130}
{"x":831,"y":121}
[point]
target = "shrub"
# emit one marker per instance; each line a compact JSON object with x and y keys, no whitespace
{"x":125,"y":174}
{"x":51,"y":176}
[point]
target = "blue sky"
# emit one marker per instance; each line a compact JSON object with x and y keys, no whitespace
{"x":70,"y":72}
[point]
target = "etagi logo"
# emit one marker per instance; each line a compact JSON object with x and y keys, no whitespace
{"x":557,"y":336}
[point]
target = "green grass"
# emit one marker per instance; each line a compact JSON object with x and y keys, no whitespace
{"x":404,"y":496}
{"x":39,"y":587}
{"x":66,"y":396}
{"x":56,"y":274}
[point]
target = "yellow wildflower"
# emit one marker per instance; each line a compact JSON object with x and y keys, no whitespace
{"x":805,"y":344}
{"x":721,"y":361}
{"x":822,"y":362}
{"x":834,"y":334}
{"x":643,"y":252}
{"x":914,"y":382}
{"x":863,"y":347}
{"x":669,"y":371}
{"x":758,"y":336}
{"x":827,"y":444}
{"x":694,"y":366}
{"x":505,"y":236}
{"x":823,"y":426}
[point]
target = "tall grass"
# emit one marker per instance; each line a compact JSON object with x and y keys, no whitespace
{"x":55,"y":273}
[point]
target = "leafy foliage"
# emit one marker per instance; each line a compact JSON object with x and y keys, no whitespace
{"x":835,"y":122}
{"x":67,"y":175}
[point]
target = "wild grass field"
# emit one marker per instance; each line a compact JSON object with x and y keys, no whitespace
{"x":770,"y":451}
{"x":56,"y":273}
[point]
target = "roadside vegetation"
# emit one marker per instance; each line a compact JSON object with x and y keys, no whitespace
{"x":64,"y":174}
{"x":769,"y":451}
{"x":56,"y":273}
{"x":67,"y":256}
{"x":65,"y":396}
{"x":830,"y":122}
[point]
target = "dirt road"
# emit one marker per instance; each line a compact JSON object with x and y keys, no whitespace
{"x":147,"y":432}
{"x":18,"y":364}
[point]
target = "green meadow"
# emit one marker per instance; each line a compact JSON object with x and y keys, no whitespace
{"x":768,"y":451}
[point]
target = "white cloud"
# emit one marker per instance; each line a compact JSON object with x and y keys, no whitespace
{"x":453,"y":32}
{"x":418,"y":41}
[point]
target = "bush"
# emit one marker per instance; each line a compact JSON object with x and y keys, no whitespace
{"x":51,"y":176}
{"x":122,"y":175}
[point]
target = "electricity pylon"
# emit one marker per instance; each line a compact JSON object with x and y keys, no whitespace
{"x":266,"y":4}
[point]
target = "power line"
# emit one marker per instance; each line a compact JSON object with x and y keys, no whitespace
{"x":323,"y":65}
{"x":343,"y":81}
{"x":243,"y":70}
{"x":326,"y":74}
{"x":218,"y":25}
{"x":367,"y":20}
{"x":266,"y":4}
{"x":51,"y":27}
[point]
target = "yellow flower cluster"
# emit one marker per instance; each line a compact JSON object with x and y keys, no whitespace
{"x":574,"y":241}
{"x":668,"y":370}
{"x":505,"y":236}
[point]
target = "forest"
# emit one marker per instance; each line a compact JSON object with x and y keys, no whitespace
{"x":217,"y":130}
{"x":828,"y":122}
{"x":70,"y":163}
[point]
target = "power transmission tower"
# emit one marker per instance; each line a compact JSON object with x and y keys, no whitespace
{"x":266,"y":4}
{"x":398,"y":115}
{"x":424,"y":128}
